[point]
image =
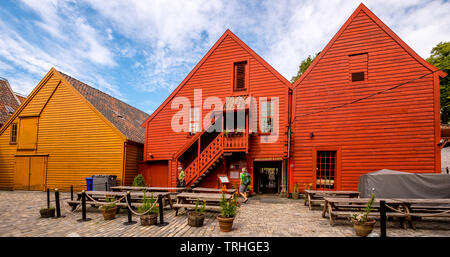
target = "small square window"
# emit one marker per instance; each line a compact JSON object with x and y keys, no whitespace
{"x":357,"y":76}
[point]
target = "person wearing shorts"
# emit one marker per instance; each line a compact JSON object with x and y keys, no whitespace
{"x":243,"y":187}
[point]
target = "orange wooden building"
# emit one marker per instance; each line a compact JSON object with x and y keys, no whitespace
{"x":244,"y":84}
{"x":66,"y":131}
{"x":367,"y":102}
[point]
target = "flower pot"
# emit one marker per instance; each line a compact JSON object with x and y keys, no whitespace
{"x":295,"y":195}
{"x":149,"y":219}
{"x":109,"y":214}
{"x":47,"y":213}
{"x":196,"y":219}
{"x":363,"y":229}
{"x":225,"y":224}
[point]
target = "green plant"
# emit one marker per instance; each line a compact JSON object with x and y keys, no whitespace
{"x":202,"y":207}
{"x":181,"y":175}
{"x":296,"y":188}
{"x":139,"y":181}
{"x":110,"y":200}
{"x":228,"y":207}
{"x":249,"y":187}
{"x":147,"y":203}
{"x":363,"y":216}
{"x":47,"y":209}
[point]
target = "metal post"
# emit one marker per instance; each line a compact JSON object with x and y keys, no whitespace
{"x":130,"y":220}
{"x":383,"y":218}
{"x":48,"y":198}
{"x":58,"y":210}
{"x":71,"y":192}
{"x":161,"y":212}
{"x":83,"y":207}
{"x":106,"y":186}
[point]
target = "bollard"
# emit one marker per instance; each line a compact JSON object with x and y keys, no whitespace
{"x":48,"y":198}
{"x":58,"y":210}
{"x":161,"y":213}
{"x":83,"y":207}
{"x":71,"y":192}
{"x":106,"y":186}
{"x":383,"y":219}
{"x":130,"y":220}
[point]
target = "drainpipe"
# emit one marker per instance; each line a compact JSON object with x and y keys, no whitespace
{"x":285,"y":165}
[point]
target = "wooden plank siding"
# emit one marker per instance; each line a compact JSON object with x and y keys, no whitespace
{"x":394,"y":130}
{"x":214,"y":75}
{"x":77,"y":139}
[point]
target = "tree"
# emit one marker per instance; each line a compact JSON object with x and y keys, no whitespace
{"x":440,"y":58}
{"x":303,"y":67}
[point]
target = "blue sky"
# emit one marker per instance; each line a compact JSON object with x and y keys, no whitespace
{"x":139,"y":51}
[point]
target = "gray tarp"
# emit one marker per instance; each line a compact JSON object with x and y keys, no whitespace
{"x":397,"y":184}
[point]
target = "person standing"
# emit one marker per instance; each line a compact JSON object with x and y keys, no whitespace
{"x":246,"y":179}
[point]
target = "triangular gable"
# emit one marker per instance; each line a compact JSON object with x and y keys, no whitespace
{"x":199,"y":64}
{"x":386,"y":29}
{"x":8,"y":100}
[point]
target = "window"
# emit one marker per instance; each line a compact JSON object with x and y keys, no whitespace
{"x":9,"y":109}
{"x":240,"y":76}
{"x":13,"y":138}
{"x":325,"y":169}
{"x":194,"y":120}
{"x":358,"y":67}
{"x":267,"y":117}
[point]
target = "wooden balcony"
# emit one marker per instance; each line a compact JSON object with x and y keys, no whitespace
{"x":235,"y":141}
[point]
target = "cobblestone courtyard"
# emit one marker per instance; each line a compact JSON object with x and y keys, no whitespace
{"x":261,"y":216}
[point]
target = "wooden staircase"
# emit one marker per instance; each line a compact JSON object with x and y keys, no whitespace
{"x":211,"y":156}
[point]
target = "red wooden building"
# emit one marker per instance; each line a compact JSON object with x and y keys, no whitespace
{"x":367,"y":102}
{"x":245,"y":86}
{"x":392,"y":121}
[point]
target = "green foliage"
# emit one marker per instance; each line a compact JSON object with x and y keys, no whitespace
{"x":147,"y":203}
{"x":228,"y":207}
{"x":303,"y":66}
{"x":296,"y":188}
{"x":110,"y":203}
{"x":47,"y":209}
{"x":362,"y":217}
{"x":139,"y":181}
{"x":440,"y":58}
{"x":202,"y":207}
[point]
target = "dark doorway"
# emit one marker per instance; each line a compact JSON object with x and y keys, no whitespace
{"x":267,"y":177}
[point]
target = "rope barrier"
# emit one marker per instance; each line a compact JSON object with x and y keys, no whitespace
{"x":417,"y":215}
{"x":137,"y":213}
{"x":95,"y":201}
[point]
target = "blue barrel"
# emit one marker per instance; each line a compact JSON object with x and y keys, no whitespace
{"x":89,"y":184}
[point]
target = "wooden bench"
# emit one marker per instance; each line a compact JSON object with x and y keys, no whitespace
{"x":316,"y":197}
{"x":211,"y":190}
{"x":187,"y":200}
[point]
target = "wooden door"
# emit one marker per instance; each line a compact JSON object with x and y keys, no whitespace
{"x":30,"y":172}
{"x":22,"y":173}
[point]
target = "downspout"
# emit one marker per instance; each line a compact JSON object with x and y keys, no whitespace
{"x":286,"y":164}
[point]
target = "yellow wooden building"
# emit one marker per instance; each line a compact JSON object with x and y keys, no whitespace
{"x":66,"y":131}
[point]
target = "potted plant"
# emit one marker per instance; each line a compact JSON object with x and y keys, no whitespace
{"x":226,"y":133}
{"x":149,"y":211}
{"x":47,"y":212}
{"x":228,"y":212}
{"x":249,"y":190}
{"x":295,"y":191}
{"x":361,"y":223}
{"x":109,"y":210}
{"x":197,"y":217}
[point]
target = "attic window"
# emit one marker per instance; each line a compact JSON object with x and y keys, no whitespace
{"x":240,"y":76}
{"x":358,"y":67}
{"x":118,"y":115}
{"x":9,"y":109}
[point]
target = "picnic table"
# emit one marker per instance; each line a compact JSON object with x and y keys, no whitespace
{"x":405,"y":209}
{"x":212,"y":190}
{"x":172,"y":190}
{"x":97,"y":198}
{"x":187,"y":200}
{"x":314,"y":197}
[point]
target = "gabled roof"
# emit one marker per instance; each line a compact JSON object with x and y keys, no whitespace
{"x":21,"y":97}
{"x":386,"y":29}
{"x":124,"y":117}
{"x":8,"y":101}
{"x":199,"y":64}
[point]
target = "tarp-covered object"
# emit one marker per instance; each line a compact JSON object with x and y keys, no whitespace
{"x":397,"y":184}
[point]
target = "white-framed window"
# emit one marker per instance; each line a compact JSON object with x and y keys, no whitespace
{"x":267,"y":116}
{"x":194,"y":120}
